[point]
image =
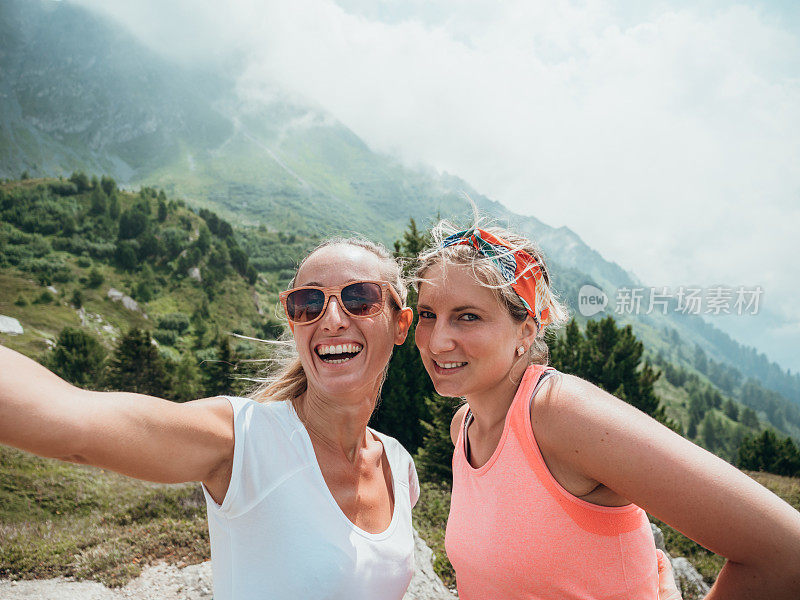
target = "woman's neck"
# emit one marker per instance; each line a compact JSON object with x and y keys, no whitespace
{"x":338,"y":423}
{"x":489,"y":408}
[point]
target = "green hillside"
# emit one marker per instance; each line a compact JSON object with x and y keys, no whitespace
{"x":67,"y":246}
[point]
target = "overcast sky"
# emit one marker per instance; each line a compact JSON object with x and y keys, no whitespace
{"x":667,"y":135}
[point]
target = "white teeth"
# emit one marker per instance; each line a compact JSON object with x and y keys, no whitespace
{"x":452,"y":365}
{"x":339,"y":349}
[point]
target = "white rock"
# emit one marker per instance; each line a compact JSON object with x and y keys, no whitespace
{"x":127,"y":301}
{"x":194,"y":273}
{"x":52,"y":289}
{"x":10,"y":325}
{"x":425,"y":585}
{"x":689,"y":581}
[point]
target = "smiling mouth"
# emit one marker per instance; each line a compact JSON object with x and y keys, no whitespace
{"x":336,"y":354}
{"x":449,"y":365}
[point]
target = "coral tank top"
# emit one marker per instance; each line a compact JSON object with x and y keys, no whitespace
{"x":515,"y":533}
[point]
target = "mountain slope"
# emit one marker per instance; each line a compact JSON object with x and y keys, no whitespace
{"x":79,"y":92}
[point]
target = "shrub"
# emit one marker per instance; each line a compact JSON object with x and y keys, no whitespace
{"x":80,"y":180}
{"x":77,"y":299}
{"x":45,"y":297}
{"x":174,"y":321}
{"x":96,"y":278}
{"x":63,"y":188}
{"x":109,"y":185}
{"x":168,"y":337}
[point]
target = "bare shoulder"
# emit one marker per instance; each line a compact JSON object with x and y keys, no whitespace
{"x":562,"y":396}
{"x":458,"y":418}
{"x":569,"y":412}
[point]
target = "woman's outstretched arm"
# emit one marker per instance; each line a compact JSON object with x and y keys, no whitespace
{"x":137,"y":435}
{"x":697,"y":493}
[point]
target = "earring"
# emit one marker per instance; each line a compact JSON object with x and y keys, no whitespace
{"x":520,"y":350}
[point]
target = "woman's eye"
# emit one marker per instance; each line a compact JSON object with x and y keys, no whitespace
{"x":468,"y":317}
{"x":426,"y":314}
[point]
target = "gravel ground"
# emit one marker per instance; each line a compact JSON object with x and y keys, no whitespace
{"x":158,"y":582}
{"x":168,"y":582}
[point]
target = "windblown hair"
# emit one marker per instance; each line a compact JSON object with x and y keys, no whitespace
{"x":286,"y":380}
{"x":487,"y":274}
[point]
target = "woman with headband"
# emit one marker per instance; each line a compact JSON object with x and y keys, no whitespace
{"x":552,"y":475}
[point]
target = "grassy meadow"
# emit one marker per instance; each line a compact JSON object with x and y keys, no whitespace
{"x":60,"y":519}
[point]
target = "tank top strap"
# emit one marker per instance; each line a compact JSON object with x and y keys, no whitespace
{"x":521,"y":406}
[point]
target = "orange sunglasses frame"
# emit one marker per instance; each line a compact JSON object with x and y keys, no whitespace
{"x":337,"y":292}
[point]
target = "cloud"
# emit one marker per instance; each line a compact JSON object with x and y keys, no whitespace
{"x":668,"y":138}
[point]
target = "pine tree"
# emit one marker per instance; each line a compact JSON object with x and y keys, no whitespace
{"x":402,"y":407}
{"x":78,"y":357}
{"x":99,"y":202}
{"x":691,"y":430}
{"x":218,"y":374}
{"x":731,"y":410}
{"x":188,"y":384}
{"x":766,"y":452}
{"x":435,"y":455}
{"x":749,"y":418}
{"x":108,"y":185}
{"x":710,"y":432}
{"x":136,"y":366}
{"x":609,"y":357}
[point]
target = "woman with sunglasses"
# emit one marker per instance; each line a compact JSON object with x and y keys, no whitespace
{"x":549,"y":471}
{"x":304,"y":500}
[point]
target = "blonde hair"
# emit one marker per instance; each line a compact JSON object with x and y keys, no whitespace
{"x":487,"y":274}
{"x":288,"y":380}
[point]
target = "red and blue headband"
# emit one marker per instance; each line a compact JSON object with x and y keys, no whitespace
{"x":517,"y":267}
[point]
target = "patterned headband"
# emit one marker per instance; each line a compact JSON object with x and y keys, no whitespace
{"x":517,"y":267}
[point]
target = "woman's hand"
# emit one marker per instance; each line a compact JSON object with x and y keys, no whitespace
{"x":667,"y":588}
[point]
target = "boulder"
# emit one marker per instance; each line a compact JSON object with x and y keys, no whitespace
{"x":10,"y":325}
{"x":127,"y":301}
{"x":425,"y":585}
{"x":689,"y":581}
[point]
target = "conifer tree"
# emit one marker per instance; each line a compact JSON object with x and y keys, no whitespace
{"x":434,"y":457}
{"x":218,"y":373}
{"x":136,"y":366}
{"x":609,"y":357}
{"x":188,"y":385}
{"x":765,"y":452}
{"x":108,"y":184}
{"x":78,"y":358}
{"x":402,"y":406}
{"x":99,"y":202}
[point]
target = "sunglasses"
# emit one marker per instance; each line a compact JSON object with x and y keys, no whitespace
{"x":307,"y":303}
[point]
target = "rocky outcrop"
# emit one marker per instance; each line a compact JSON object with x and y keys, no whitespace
{"x":689,"y":581}
{"x":425,"y":585}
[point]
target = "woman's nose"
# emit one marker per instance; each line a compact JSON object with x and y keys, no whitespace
{"x":441,"y":339}
{"x":334,"y":318}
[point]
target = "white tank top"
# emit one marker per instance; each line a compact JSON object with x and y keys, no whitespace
{"x":279,"y":533}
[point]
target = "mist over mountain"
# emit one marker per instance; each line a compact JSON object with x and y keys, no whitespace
{"x":80,"y":92}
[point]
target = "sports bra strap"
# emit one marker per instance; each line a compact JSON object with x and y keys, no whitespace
{"x":547,"y":372}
